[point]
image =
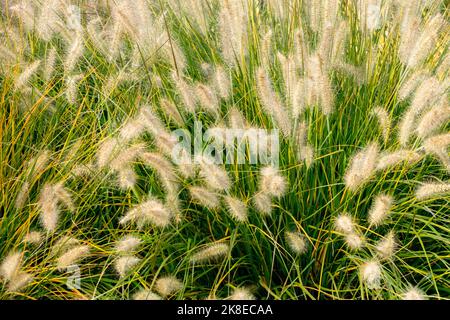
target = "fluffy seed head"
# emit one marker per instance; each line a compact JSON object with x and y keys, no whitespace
{"x":167,"y":286}
{"x":389,"y":160}
{"x":361,"y":167}
{"x":263,"y":203}
{"x":33,"y":237}
{"x":354,"y":241}
{"x":431,"y":190}
{"x":384,"y":120}
{"x":414,"y":293}
{"x":241,"y":294}
{"x":370,"y":273}
{"x":151,"y":211}
{"x":296,"y":242}
{"x":387,"y":246}
{"x":123,"y":265}
{"x":272,"y":182}
{"x":236,"y":208}
{"x":380,"y":209}
{"x":210,"y":252}
{"x":10,"y":265}
{"x":72,"y":256}
{"x":146,"y":295}
{"x":344,"y":224}
{"x":127,"y":244}
{"x":204,"y":197}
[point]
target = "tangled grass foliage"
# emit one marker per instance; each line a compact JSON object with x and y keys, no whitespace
{"x":357,"y":207}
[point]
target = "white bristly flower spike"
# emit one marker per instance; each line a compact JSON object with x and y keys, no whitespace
{"x":205,"y":197}
{"x":123,"y":265}
{"x":414,"y":293}
{"x":370,"y":273}
{"x":386,"y":247}
{"x":432,"y":190}
{"x":344,"y":224}
{"x":272,"y":182}
{"x":168,"y":285}
{"x":296,"y":242}
{"x":384,"y":120}
{"x":72,"y":256}
{"x":151,"y":211}
{"x":354,"y":241}
{"x":361,"y":167}
{"x":210,"y":252}
{"x":381,"y":206}
{"x":127,"y":244}
{"x":263,"y":203}
{"x":236,"y":208}
{"x":146,"y":295}
{"x":241,"y":294}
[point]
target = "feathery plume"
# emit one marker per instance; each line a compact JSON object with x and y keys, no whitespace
{"x":387,"y":246}
{"x":437,"y":146}
{"x":127,"y":244}
{"x":33,"y":237}
{"x":263,"y":203}
{"x":204,"y":197}
{"x":10,"y":265}
{"x":427,"y":93}
{"x":49,"y":67}
{"x":433,"y":120}
{"x":361,"y":167}
{"x":414,"y":293}
{"x":408,"y":87}
{"x":151,"y":211}
{"x":168,"y":285}
{"x":370,"y":273}
{"x":216,"y":178}
{"x":21,"y":280}
{"x":236,"y":208}
{"x":146,"y":295}
{"x":186,"y":93}
{"x":72,"y":256}
{"x":72,"y":87}
{"x":22,"y":195}
{"x":64,"y":244}
{"x":354,"y":241}
{"x":73,"y":54}
{"x":123,"y":265}
{"x":389,"y":160}
{"x":384,"y":120}
{"x":171,"y":111}
{"x":221,"y":82}
{"x":236,"y":119}
{"x":125,"y":158}
{"x":22,"y":80}
{"x":344,"y":224}
{"x":271,"y":182}
{"x":207,"y":99}
{"x":37,"y":164}
{"x":106,"y":152}
{"x":431,"y":190}
{"x":11,"y":273}
{"x":427,"y":39}
{"x":49,"y":208}
{"x":25,"y":12}
{"x":380,"y":209}
{"x":233,"y":18}
{"x":271,"y":102}
{"x":241,"y":294}
{"x":131,"y":129}
{"x":210,"y":252}
{"x":296,"y":242}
